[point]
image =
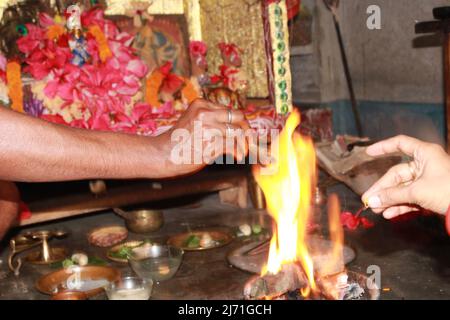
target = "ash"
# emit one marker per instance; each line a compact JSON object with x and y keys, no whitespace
{"x":353,"y":292}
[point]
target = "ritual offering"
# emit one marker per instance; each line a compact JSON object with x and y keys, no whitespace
{"x":143,"y":220}
{"x":130,"y":288}
{"x":200,"y":240}
{"x":121,"y":252}
{"x":107,"y":236}
{"x":156,"y":262}
{"x":46,"y":254}
{"x":89,"y":279}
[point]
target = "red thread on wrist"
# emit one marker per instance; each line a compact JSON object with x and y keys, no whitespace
{"x":447,"y":220}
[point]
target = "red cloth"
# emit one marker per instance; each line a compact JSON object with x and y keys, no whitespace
{"x":293,"y":7}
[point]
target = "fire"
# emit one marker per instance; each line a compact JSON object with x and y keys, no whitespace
{"x":288,"y":185}
{"x":288,"y":194}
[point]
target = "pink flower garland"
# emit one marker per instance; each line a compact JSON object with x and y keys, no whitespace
{"x":105,"y":90}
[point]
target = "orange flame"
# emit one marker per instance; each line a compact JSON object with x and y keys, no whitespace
{"x":287,"y":185}
{"x":336,"y":259}
{"x":288,"y":190}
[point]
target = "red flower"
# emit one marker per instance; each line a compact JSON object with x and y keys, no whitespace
{"x":141,"y":120}
{"x":349,"y":221}
{"x":228,"y":49}
{"x":43,"y":61}
{"x":352,"y":222}
{"x":32,"y":40}
{"x":171,"y":82}
{"x":96,"y":17}
{"x":224,"y":76}
{"x":198,"y":48}
{"x":366,"y":223}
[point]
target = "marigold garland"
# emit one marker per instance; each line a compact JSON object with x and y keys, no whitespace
{"x":103,"y":46}
{"x":189,"y":92}
{"x":14,"y":80}
{"x":153,"y":84}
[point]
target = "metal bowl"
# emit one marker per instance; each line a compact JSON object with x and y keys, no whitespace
{"x":88,"y":279}
{"x":157,"y":262}
{"x":142,"y":221}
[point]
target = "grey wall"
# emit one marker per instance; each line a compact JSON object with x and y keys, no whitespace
{"x":385,"y":64}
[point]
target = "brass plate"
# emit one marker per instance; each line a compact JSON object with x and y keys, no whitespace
{"x":54,"y":282}
{"x":56,"y":255}
{"x":130,"y":244}
{"x":220,"y":235}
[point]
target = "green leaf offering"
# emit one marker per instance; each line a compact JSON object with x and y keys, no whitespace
{"x":256,"y":229}
{"x":192,"y":242}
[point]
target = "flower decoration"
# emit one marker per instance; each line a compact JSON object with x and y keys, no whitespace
{"x":104,"y":93}
{"x":353,"y":221}
{"x":225,"y":75}
{"x":3,"y":63}
{"x":231,"y":54}
{"x":163,"y":85}
{"x":34,"y":107}
{"x":198,"y":48}
{"x":103,"y":46}
{"x":138,"y":10}
{"x":15,"y":89}
{"x":86,"y":74}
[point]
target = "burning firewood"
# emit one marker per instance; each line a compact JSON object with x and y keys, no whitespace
{"x":290,"y":278}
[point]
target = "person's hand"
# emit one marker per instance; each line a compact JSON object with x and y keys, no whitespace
{"x":200,"y":137}
{"x":422,"y":183}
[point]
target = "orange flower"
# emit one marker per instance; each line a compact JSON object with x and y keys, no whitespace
{"x":153,"y":84}
{"x":189,"y":92}
{"x":15,"y":90}
{"x":103,"y":46}
{"x":54,"y":32}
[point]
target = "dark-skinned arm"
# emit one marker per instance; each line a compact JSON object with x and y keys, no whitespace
{"x":33,"y":150}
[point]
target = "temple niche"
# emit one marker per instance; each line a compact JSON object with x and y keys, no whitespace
{"x":246,"y":31}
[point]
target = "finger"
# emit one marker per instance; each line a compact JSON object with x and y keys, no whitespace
{"x":232,"y":138}
{"x":223,"y":116}
{"x":396,"y":176}
{"x":237,"y":142}
{"x":394,"y":212}
{"x":404,"y":144}
{"x":390,"y":197}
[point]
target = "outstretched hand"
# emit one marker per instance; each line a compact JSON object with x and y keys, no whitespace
{"x":422,"y":183}
{"x":201,"y":136}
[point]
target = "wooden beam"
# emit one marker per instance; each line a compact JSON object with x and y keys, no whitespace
{"x":141,"y":192}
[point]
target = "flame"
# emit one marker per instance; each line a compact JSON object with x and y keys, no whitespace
{"x":336,"y":259}
{"x":288,"y":191}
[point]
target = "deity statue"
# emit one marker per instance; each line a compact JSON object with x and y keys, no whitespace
{"x":77,"y":41}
